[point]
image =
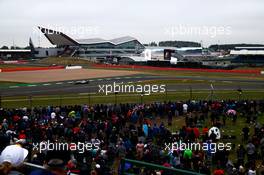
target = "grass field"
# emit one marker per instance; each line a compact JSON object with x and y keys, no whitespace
{"x":4,"y":84}
{"x":64,"y":61}
{"x":206,"y":74}
{"x":72,"y":99}
{"x":11,"y":65}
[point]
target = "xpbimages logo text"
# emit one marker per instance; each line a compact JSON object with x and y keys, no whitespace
{"x":58,"y":146}
{"x":206,"y":146}
{"x":147,"y":89}
{"x":209,"y":146}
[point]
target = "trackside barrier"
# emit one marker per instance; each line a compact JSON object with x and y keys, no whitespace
{"x":73,"y":67}
{"x":154,"y":167}
{"x":246,"y":71}
{"x":30,"y":68}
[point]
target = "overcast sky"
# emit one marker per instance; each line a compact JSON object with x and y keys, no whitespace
{"x":236,"y":21}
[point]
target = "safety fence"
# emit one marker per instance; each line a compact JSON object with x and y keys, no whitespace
{"x":151,"y":166}
{"x":116,"y":98}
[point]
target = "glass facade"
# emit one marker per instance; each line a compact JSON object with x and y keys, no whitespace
{"x":106,"y":45}
{"x":108,"y":49}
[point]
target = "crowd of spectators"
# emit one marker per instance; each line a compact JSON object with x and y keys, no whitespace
{"x":133,"y":131}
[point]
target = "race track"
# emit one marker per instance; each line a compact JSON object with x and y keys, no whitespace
{"x":70,"y":87}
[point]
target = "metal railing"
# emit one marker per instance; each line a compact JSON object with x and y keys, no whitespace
{"x":154,"y":167}
{"x":95,"y":98}
{"x":31,"y":167}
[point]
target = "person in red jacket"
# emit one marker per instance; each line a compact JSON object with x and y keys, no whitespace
{"x":219,"y":171}
{"x":22,"y":135}
{"x":196,"y":132}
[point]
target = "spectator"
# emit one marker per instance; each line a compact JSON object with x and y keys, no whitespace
{"x":251,"y":149}
{"x":11,"y":159}
{"x":219,"y":171}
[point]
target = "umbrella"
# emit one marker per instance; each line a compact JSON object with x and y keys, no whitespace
{"x":25,"y":118}
{"x":231,"y":112}
{"x":216,"y":131}
{"x":72,"y":114}
{"x":53,"y":115}
{"x":145,"y":129}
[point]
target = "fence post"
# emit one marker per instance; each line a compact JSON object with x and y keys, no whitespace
{"x":122,"y":167}
{"x":239,"y":93}
{"x":30,"y":102}
{"x":166,"y":95}
{"x":116,"y":97}
{"x":89,"y":97}
{"x":191,"y":93}
{"x":60,"y":100}
{"x":141,"y":98}
{"x":89,"y":92}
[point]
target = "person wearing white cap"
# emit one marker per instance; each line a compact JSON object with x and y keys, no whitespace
{"x":11,"y":158}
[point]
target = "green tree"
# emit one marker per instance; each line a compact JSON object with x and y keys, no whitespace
{"x":4,"y":47}
{"x":153,"y":44}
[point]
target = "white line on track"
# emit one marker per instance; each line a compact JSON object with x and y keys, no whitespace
{"x":13,"y":86}
{"x":117,"y":78}
{"x":70,"y":82}
{"x":46,"y":84}
{"x":59,"y":83}
{"x":227,"y":81}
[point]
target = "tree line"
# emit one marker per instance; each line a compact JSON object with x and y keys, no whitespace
{"x":15,"y":47}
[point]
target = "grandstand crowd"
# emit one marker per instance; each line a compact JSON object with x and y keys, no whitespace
{"x":133,"y":131}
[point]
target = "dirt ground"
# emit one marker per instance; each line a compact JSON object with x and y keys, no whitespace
{"x":61,"y":75}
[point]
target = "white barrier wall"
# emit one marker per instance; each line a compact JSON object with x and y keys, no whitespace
{"x":73,"y":67}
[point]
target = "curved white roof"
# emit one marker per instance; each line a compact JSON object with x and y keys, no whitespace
{"x":91,"y":41}
{"x":115,"y":41}
{"x":59,"y":38}
{"x":122,"y":40}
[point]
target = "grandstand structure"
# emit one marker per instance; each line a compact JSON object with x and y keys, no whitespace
{"x":9,"y":54}
{"x":248,"y":55}
{"x":93,"y":47}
